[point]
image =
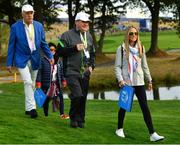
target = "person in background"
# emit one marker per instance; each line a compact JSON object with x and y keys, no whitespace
{"x":131,"y":68}
{"x":49,"y":74}
{"x":25,"y":41}
{"x":78,"y":54}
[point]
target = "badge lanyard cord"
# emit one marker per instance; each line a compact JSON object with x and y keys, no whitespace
{"x":30,"y":32}
{"x":84,"y":40}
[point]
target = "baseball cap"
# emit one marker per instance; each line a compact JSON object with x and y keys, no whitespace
{"x":27,"y":8}
{"x":82,"y":16}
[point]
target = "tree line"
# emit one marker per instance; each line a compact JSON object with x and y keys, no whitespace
{"x":103,"y":13}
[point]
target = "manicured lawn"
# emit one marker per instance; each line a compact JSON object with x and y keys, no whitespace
{"x":101,"y":122}
{"x":166,"y":40}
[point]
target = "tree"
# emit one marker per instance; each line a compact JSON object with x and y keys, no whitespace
{"x":72,"y":10}
{"x":175,"y":7}
{"x":154,"y":6}
{"x":91,"y":5}
{"x":109,"y":11}
{"x":44,"y":11}
{"x":12,"y":9}
{"x":108,"y":15}
{"x":74,"y":6}
{"x":9,"y":8}
{"x":38,"y":7}
{"x":1,"y":16}
{"x":178,"y":13}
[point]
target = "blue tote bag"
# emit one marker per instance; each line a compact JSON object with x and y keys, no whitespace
{"x":126,"y":97}
{"x":40,"y":97}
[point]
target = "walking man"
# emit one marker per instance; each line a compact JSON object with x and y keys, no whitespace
{"x":78,"y":54}
{"x":26,"y":39}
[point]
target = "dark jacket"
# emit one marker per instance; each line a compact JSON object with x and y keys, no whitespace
{"x":44,"y":76}
{"x":72,"y":58}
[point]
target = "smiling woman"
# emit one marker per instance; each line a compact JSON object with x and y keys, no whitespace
{"x":130,"y":69}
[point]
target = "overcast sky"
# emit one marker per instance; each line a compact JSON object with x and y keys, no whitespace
{"x":137,"y":13}
{"x":131,"y":13}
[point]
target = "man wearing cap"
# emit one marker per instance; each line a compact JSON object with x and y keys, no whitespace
{"x":78,"y":54}
{"x":26,"y":39}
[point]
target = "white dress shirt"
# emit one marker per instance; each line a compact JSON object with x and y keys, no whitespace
{"x":30,"y":36}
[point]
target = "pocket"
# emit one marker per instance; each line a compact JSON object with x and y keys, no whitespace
{"x":86,"y":75}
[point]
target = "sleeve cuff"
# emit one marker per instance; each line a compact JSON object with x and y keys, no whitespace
{"x":38,"y":84}
{"x":64,"y":81}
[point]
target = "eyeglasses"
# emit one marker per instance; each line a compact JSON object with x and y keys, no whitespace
{"x":133,"y":33}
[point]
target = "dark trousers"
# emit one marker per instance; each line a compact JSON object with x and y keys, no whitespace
{"x":46,"y":103}
{"x":142,"y":99}
{"x":46,"y":106}
{"x":78,"y":86}
{"x":61,"y":102}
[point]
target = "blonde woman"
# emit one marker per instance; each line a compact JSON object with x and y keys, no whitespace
{"x":131,"y":68}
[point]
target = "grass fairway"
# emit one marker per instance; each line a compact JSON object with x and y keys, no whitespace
{"x":166,"y":40}
{"x":101,"y":122}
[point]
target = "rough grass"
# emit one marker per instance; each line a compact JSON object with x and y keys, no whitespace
{"x":101,"y":122}
{"x":163,"y":71}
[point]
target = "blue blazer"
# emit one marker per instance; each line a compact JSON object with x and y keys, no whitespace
{"x":19,"y":52}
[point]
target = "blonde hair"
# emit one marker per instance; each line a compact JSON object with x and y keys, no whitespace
{"x":138,"y":42}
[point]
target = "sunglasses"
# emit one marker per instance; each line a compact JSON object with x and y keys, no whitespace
{"x":133,"y":33}
{"x":53,"y":49}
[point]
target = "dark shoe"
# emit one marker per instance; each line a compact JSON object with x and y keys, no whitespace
{"x":33,"y":113}
{"x":73,"y":124}
{"x":27,"y":112}
{"x":46,"y":113}
{"x":80,"y":124}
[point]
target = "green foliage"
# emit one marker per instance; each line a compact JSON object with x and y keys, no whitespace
{"x":12,"y":9}
{"x":101,"y":122}
{"x":4,"y":30}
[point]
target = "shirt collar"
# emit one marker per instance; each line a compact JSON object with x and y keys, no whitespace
{"x":78,"y":31}
{"x":25,"y":23}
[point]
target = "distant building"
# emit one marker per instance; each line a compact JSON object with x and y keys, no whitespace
{"x":143,"y":24}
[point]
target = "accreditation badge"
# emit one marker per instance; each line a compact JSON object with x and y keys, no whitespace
{"x":86,"y":52}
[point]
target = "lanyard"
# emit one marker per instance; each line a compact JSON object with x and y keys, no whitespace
{"x":30,"y":30}
{"x":84,"y":39}
{"x":62,"y":45}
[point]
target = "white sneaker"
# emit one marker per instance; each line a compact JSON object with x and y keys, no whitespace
{"x":120,"y":133}
{"x":156,"y":137}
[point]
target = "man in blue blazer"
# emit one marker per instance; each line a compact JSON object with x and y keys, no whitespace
{"x":26,"y":39}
